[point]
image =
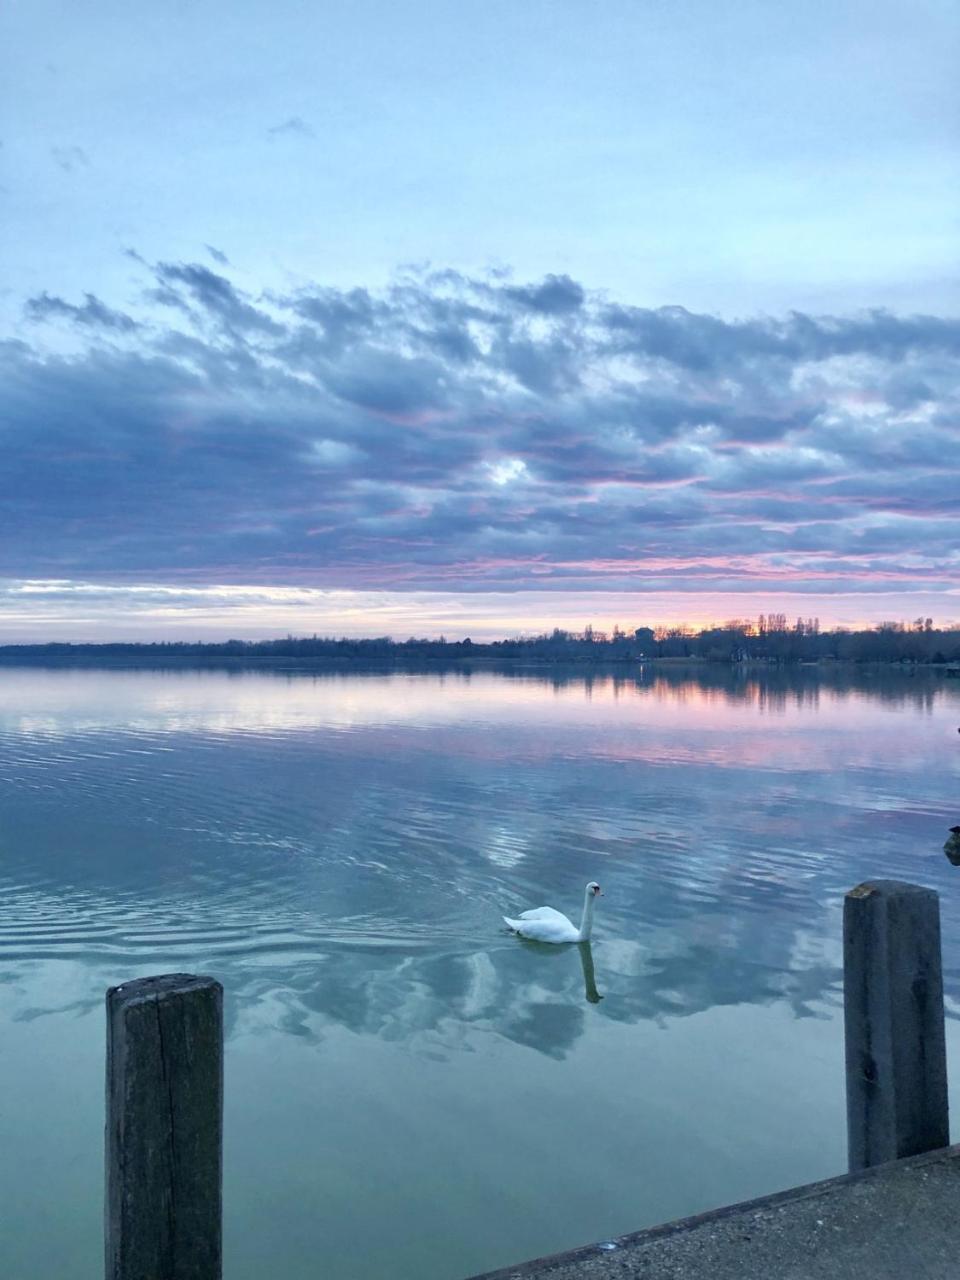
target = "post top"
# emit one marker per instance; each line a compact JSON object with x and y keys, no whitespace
{"x":165,"y":984}
{"x":891,"y":889}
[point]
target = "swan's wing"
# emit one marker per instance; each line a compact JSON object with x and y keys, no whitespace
{"x":555,"y":928}
{"x":543,"y":913}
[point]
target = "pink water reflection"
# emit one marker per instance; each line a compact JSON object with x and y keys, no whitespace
{"x":794,"y":720}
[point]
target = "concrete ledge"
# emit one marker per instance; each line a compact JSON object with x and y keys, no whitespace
{"x":893,"y":1221}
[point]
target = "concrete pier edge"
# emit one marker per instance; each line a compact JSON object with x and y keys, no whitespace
{"x":594,"y":1260}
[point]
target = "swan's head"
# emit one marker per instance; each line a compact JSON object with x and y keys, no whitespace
{"x":593,"y":889}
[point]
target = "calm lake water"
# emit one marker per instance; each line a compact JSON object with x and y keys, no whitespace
{"x":411,"y":1092}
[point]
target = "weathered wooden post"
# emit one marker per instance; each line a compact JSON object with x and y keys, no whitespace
{"x":894,"y":1029}
{"x":164,"y":1129}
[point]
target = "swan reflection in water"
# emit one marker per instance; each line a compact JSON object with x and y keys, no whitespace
{"x":585,"y":950}
{"x":589,"y":981}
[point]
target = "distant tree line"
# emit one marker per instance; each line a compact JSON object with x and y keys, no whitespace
{"x":768,"y":639}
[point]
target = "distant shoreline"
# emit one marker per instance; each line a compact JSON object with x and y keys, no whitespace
{"x":769,"y":643}
{"x":38,"y":656}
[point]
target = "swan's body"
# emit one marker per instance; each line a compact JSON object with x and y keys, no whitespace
{"x":544,"y":924}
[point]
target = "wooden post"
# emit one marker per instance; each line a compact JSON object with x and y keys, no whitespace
{"x":894,"y":1029}
{"x":164,"y":1129}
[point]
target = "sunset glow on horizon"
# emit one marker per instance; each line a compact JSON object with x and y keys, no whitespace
{"x":39,"y":612}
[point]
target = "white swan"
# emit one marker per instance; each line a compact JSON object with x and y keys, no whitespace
{"x":543,"y":924}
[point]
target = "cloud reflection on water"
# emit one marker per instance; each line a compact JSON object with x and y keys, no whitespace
{"x":338,"y":848}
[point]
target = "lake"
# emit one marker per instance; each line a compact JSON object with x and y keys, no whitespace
{"x":412,"y":1092}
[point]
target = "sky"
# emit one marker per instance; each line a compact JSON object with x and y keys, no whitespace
{"x":470,"y":318}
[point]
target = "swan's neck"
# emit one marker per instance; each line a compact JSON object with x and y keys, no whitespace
{"x":586,"y":920}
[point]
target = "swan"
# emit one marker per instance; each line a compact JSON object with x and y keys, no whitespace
{"x":543,"y":924}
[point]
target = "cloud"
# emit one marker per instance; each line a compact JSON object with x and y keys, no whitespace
{"x":214,"y":294}
{"x":293,"y":126}
{"x":69,"y":159}
{"x":93,"y":313}
{"x":217,"y":255}
{"x":553,"y":296}
{"x":703,"y":343}
{"x":454,"y":433}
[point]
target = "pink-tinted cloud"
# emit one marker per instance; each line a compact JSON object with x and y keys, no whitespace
{"x":477,"y":435}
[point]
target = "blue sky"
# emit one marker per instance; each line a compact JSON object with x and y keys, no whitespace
{"x":465,"y":317}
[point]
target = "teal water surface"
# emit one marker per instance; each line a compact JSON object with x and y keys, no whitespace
{"x":411,"y":1091}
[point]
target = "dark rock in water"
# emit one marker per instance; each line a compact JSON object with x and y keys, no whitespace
{"x":952,"y":846}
